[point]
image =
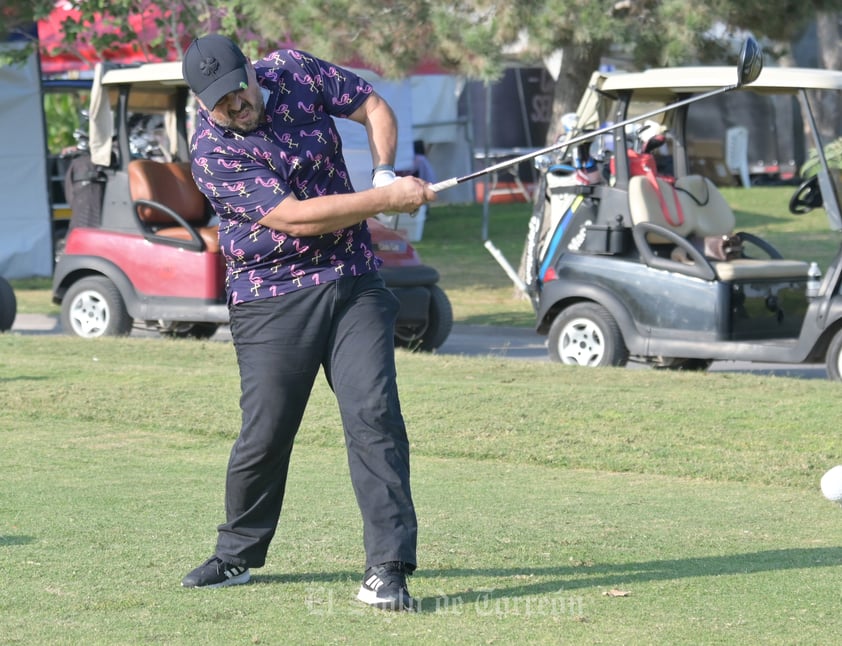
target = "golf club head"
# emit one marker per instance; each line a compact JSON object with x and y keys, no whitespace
{"x":751,"y":62}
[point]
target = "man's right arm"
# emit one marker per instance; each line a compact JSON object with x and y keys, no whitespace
{"x":326,"y":213}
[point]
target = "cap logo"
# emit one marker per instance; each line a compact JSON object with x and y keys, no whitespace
{"x":209,"y":66}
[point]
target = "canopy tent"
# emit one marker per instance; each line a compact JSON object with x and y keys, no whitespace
{"x":26,"y":245}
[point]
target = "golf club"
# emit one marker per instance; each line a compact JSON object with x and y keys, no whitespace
{"x":749,"y":68}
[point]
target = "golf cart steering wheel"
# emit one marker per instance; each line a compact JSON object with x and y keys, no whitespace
{"x":807,"y":197}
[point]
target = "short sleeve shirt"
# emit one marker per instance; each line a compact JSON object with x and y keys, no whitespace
{"x":296,"y":151}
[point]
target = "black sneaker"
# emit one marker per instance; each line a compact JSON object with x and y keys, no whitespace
{"x":384,"y":587}
{"x":215,"y":573}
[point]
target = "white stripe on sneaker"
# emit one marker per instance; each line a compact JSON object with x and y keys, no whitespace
{"x":234,"y":576}
{"x":374,"y":582}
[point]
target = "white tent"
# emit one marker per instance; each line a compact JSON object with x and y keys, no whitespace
{"x":355,"y":141}
{"x":26,"y":247}
{"x":426,"y":109}
{"x":426,"y":106}
{"x":446,"y":136}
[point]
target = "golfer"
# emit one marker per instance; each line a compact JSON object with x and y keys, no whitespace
{"x":304,"y":294}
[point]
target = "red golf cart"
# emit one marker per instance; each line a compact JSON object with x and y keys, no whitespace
{"x":142,"y":247}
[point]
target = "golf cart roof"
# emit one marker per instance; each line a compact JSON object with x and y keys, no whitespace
{"x":155,"y":73}
{"x":664,"y":83}
{"x":155,"y":88}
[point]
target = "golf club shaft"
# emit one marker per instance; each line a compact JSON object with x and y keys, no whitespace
{"x":453,"y":181}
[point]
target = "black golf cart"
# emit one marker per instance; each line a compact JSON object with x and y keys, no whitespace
{"x":620,"y":262}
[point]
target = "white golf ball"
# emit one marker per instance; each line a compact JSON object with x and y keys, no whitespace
{"x":831,"y":484}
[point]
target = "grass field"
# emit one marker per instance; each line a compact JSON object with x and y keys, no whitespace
{"x":541,"y":490}
{"x":556,"y":505}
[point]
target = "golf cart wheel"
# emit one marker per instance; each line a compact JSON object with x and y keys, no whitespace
{"x":431,"y":336}
{"x":834,"y":357}
{"x":8,"y":305}
{"x":586,"y":334}
{"x":93,"y":307}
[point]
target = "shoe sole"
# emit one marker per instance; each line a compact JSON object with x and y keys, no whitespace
{"x":234,"y":580}
{"x":369,"y":597}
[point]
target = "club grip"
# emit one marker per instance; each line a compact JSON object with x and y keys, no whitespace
{"x":447,"y":183}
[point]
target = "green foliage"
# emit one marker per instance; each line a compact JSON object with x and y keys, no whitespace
{"x":15,"y":19}
{"x":61,"y":114}
{"x":833,"y":153}
{"x":477,"y":39}
{"x":781,"y":20}
{"x":468,"y":37}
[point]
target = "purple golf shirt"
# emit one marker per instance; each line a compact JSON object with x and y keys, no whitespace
{"x":297,"y":150}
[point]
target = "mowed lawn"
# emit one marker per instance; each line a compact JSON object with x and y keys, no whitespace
{"x":556,"y":505}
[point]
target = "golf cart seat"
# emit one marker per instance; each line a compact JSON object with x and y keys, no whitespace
{"x":687,"y":212}
{"x":169,"y":207}
{"x":653,"y":200}
{"x":712,"y":216}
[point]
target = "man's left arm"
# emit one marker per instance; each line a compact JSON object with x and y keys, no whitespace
{"x":381,"y":126}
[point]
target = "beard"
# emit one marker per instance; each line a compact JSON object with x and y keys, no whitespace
{"x":246,"y":120}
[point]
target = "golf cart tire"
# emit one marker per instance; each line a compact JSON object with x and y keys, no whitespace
{"x":438,"y":328}
{"x":585,"y":334}
{"x":8,"y":305}
{"x":441,"y":320}
{"x":834,"y":357}
{"x":93,"y":307}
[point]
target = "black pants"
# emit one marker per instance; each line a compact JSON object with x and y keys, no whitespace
{"x":346,"y":327}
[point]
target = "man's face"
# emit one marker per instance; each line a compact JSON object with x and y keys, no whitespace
{"x":241,"y":111}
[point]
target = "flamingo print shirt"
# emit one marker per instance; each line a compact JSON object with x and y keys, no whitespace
{"x":297,"y":150}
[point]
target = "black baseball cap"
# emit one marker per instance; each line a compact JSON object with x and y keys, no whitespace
{"x":214,"y":66}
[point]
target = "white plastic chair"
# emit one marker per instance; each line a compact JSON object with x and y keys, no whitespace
{"x":736,"y":153}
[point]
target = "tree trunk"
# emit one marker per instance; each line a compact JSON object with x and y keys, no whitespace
{"x":577,"y":65}
{"x":828,"y":34}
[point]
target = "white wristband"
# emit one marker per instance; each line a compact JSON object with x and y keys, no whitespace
{"x":383,"y":178}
